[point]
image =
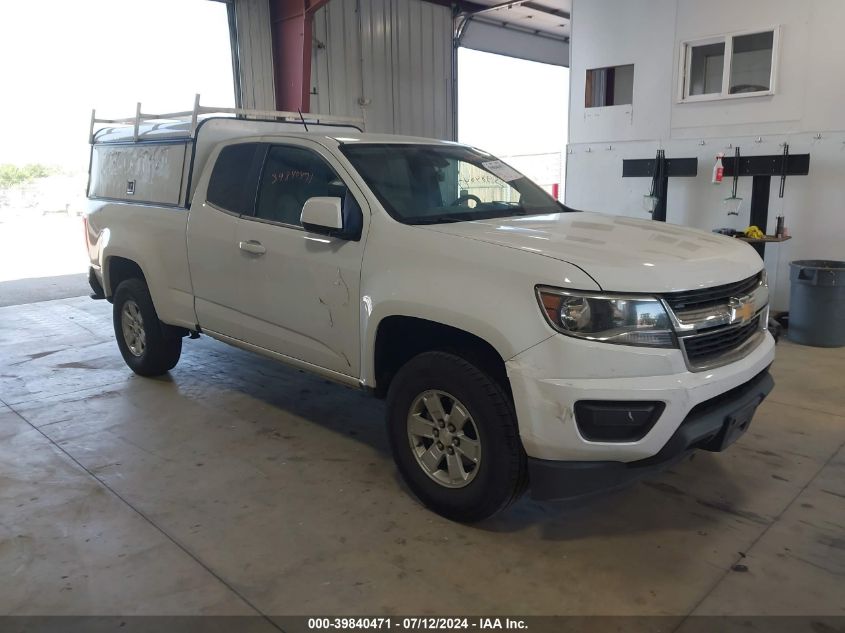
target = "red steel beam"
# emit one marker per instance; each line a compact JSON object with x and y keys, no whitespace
{"x":291,"y":25}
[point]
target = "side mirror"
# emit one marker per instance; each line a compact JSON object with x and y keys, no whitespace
{"x":323,"y":215}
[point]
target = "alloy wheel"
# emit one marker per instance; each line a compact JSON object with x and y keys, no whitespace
{"x":132,"y":324}
{"x":444,"y":438}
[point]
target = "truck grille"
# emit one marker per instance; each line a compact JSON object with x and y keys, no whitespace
{"x":702,"y":349}
{"x":711,"y":322}
{"x":688,"y":300}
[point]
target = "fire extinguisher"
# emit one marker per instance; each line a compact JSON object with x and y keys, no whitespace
{"x":718,"y":169}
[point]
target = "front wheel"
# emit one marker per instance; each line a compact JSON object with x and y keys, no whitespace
{"x":455,"y":438}
{"x":144,"y":343}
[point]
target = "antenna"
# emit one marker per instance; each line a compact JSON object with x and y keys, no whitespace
{"x":302,"y":118}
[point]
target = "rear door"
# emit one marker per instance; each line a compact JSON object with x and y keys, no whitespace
{"x":213,"y":250}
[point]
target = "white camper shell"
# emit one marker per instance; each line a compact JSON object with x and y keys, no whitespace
{"x":152,"y":159}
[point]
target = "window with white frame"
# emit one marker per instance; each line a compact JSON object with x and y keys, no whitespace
{"x":729,"y":66}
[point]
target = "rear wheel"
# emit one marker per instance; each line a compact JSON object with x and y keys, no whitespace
{"x":145,"y":344}
{"x":455,"y":438}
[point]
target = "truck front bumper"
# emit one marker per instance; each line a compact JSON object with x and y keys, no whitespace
{"x":712,"y":425}
{"x":548,"y":379}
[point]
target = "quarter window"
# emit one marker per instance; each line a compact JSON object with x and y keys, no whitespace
{"x":291,"y":176}
{"x":726,"y":66}
{"x":233,"y":180}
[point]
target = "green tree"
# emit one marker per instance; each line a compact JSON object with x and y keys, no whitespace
{"x":11,"y":175}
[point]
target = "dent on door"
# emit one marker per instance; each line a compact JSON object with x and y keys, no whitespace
{"x":299,"y":297}
{"x":336,"y":301}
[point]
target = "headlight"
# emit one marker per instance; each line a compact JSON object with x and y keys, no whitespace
{"x":625,"y":320}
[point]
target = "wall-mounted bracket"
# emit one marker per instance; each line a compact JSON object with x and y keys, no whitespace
{"x":761,"y":169}
{"x":660,"y":169}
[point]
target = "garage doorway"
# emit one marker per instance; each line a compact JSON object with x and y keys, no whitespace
{"x":69,"y":58}
{"x":517,"y":110}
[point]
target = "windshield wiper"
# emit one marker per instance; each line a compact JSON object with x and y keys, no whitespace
{"x":511,"y":208}
{"x":438,"y":219}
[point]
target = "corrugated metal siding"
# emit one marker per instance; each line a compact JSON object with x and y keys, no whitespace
{"x":392,"y":56}
{"x":335,"y":77}
{"x":255,"y":55}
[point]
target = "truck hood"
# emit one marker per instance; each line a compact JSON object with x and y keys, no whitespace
{"x":622,"y":254}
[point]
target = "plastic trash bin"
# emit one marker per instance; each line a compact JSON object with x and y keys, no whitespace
{"x":817,"y":302}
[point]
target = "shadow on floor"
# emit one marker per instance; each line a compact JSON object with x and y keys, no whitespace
{"x":20,"y":291}
{"x":353,"y":414}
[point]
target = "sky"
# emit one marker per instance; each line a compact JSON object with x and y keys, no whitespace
{"x":62,"y":58}
{"x":511,"y":106}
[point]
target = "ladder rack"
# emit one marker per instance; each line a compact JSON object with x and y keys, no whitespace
{"x":199,"y":110}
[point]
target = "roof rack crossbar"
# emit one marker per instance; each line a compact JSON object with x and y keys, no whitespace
{"x":199,"y":110}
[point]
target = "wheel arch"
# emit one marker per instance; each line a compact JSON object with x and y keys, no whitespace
{"x":117,"y":269}
{"x":398,"y":338}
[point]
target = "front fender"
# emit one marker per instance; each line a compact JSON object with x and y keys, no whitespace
{"x":480,"y":288}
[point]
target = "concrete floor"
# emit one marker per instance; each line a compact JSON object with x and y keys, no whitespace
{"x":239,"y":486}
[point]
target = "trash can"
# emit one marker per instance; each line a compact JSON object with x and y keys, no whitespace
{"x":817,"y":302}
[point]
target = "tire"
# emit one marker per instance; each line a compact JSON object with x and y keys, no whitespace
{"x":500,"y":475}
{"x":146,"y":347}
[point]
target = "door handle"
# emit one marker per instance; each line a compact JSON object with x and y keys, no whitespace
{"x":253,"y":247}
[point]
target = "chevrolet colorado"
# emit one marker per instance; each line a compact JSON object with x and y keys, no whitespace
{"x":518,"y":344}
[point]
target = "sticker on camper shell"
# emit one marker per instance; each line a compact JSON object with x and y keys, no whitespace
{"x":500,"y":170}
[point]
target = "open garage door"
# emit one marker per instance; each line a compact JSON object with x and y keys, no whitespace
{"x":533,"y":30}
{"x":162,"y":55}
{"x":492,"y":113}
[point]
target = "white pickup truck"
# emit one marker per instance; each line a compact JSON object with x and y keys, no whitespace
{"x":519,"y":344}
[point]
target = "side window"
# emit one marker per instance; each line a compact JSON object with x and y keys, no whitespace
{"x":292,"y":175}
{"x":233,"y":180}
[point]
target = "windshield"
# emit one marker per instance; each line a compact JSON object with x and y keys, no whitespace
{"x":433,"y":184}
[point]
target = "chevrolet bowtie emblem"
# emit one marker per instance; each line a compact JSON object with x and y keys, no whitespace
{"x":742,"y":309}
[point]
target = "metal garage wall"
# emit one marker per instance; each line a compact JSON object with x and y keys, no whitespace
{"x":389,"y":58}
{"x":336,"y":70}
{"x":254,"y":54}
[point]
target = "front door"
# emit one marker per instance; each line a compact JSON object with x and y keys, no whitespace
{"x":299,"y":293}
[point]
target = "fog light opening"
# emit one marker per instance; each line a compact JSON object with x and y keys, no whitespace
{"x":616,"y":421}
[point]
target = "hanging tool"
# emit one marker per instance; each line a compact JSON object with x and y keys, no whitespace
{"x":733,"y":204}
{"x":736,"y":172}
{"x":783,"y":162}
